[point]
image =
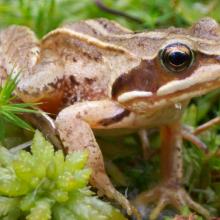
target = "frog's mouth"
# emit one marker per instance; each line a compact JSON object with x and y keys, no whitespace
{"x":200,"y":83}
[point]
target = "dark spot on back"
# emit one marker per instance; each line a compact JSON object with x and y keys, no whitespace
{"x":89,"y":80}
{"x":73,"y":80}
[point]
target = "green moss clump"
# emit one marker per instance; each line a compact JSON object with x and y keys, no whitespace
{"x":45,"y":184}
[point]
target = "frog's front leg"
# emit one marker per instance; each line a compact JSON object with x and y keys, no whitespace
{"x":75,"y":125}
{"x":170,"y":190}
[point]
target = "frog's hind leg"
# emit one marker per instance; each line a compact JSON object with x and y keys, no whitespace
{"x":75,"y":125}
{"x":145,"y":145}
{"x":207,"y":125}
{"x":192,"y":135}
{"x":170,"y":191}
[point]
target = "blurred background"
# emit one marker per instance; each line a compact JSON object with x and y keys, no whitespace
{"x":44,"y":15}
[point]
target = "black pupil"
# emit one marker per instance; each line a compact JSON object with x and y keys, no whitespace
{"x":178,"y":58}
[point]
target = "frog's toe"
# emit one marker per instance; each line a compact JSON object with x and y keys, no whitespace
{"x":164,"y":195}
{"x":123,"y":201}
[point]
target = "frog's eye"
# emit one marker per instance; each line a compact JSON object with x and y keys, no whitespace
{"x":176,"y":57}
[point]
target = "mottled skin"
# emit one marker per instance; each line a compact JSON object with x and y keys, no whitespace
{"x":100,"y":77}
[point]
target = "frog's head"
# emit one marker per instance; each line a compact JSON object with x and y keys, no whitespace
{"x":183,"y":63}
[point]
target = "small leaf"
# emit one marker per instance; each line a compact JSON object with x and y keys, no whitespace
{"x":8,"y":205}
{"x":5,"y":157}
{"x":41,"y":211}
{"x":76,"y":160}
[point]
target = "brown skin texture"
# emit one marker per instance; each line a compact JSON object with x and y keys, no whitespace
{"x":79,"y":71}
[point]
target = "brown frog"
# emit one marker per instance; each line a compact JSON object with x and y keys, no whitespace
{"x":99,"y":77}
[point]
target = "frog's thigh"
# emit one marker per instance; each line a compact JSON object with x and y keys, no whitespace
{"x":74,"y":125}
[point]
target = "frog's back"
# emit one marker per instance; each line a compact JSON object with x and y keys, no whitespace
{"x":146,"y":44}
{"x":68,"y":67}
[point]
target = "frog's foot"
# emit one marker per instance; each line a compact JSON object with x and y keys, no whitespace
{"x":167,"y":194}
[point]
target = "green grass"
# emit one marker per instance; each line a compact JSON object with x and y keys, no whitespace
{"x":202,"y":172}
{"x":9,"y":109}
{"x":45,"y":15}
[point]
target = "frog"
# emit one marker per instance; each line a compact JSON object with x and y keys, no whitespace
{"x":99,"y":78}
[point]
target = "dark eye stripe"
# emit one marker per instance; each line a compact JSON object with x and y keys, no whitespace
{"x":176,"y":57}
